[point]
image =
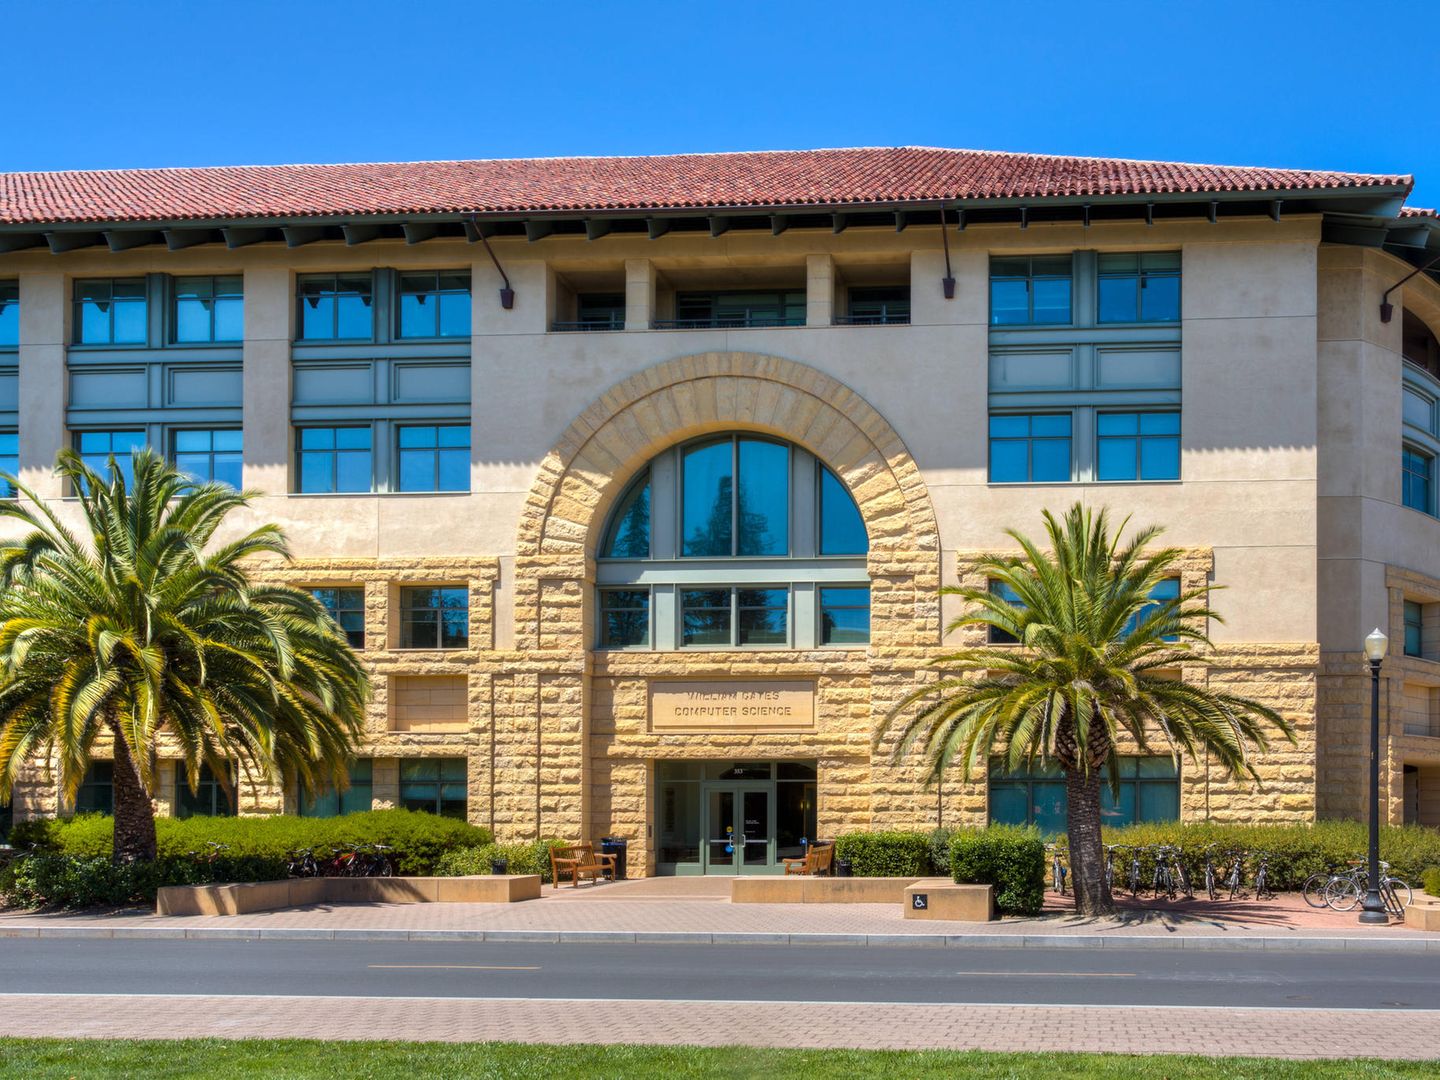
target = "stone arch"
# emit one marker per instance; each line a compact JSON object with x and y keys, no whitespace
{"x":679,"y":399}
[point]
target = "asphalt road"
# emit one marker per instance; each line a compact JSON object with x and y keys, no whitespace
{"x":1239,"y":978}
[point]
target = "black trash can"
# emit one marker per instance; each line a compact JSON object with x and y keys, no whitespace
{"x":842,"y":868}
{"x":611,"y":845}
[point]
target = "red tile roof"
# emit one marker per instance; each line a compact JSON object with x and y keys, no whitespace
{"x":1418,"y":211}
{"x":785,"y":178}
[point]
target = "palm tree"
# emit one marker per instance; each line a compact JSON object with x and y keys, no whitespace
{"x":137,"y":637}
{"x":1095,"y":663}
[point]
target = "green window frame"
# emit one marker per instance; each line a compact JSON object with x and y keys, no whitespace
{"x":624,"y":619}
{"x":207,"y":308}
{"x":994,"y":634}
{"x":600,"y":311}
{"x":433,"y":457}
{"x":9,"y":461}
{"x":109,"y":311}
{"x":209,"y":800}
{"x":1032,"y":290}
{"x":9,"y":314}
{"x":346,"y":606}
{"x":844,"y":614}
{"x":1138,"y":287}
{"x":433,"y":304}
{"x":96,"y":448}
{"x":735,"y":618}
{"x":209,"y":454}
{"x":97,"y":789}
{"x":437,"y":786}
{"x":737,"y":309}
{"x":335,"y":307}
{"x":1032,"y":448}
{"x":1137,"y":446}
{"x":355,"y":799}
{"x":1035,"y":794}
{"x":1417,"y":478}
{"x":878,"y":305}
{"x":1414,"y":628}
{"x":435,"y":617}
{"x":334,"y":460}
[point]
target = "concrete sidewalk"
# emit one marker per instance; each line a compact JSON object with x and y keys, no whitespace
{"x":638,"y":911}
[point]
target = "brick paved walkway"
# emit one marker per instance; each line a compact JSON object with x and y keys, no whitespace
{"x":1299,"y":1033}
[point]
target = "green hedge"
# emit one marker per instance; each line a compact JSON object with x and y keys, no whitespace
{"x":1432,"y":881}
{"x":532,"y":858}
{"x":418,"y":840}
{"x":1296,"y":851}
{"x":1009,"y":857}
{"x":52,"y":880}
{"x":885,"y":854}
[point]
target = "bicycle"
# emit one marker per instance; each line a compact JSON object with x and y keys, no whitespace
{"x":1235,"y":879}
{"x":1313,"y":890}
{"x":1110,"y":850}
{"x":1262,"y":878}
{"x":302,"y":864}
{"x":1169,"y":877}
{"x":1135,"y":881}
{"x":1058,"y":870}
{"x":1347,"y":890}
{"x":1211,"y":874}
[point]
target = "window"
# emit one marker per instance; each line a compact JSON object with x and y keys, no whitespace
{"x":1416,"y":472}
{"x":844,"y":615}
{"x":336,"y":307}
{"x":9,"y":314}
{"x":209,"y":309}
{"x":995,"y":635}
{"x":354,"y":799}
{"x":722,"y":518}
{"x":624,"y":618}
{"x":1137,"y":446}
{"x":1139,"y":288}
{"x":1149,"y":791}
{"x":97,"y":447}
{"x":1031,"y":289}
{"x":97,"y":789}
{"x":1167,"y":590}
{"x":434,"y":618}
{"x":435,"y":457}
{"x":1414,"y":628}
{"x":434,"y":305}
{"x":9,"y":461}
{"x":333,"y":460}
{"x":713,"y":310}
{"x":206,"y":455}
{"x":734,"y":617}
{"x":435,"y":785}
{"x":1419,"y":411}
{"x":879,"y":306}
{"x":1029,"y":448}
{"x":600,"y":311}
{"x":629,"y":534}
{"x":842,"y":530}
{"x":209,"y":800}
{"x":347,"y":607}
{"x":110,"y":311}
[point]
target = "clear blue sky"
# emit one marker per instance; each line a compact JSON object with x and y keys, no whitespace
{"x":157,"y":82}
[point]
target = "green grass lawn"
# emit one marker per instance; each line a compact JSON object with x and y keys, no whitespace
{"x":40,"y":1059}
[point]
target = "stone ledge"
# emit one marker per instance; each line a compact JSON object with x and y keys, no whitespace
{"x":243,"y":898}
{"x":941,"y":898}
{"x":818,"y":890}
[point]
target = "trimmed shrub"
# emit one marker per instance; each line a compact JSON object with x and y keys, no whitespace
{"x":1432,"y":881}
{"x":940,"y":851}
{"x":417,"y":840}
{"x":532,"y":858}
{"x":52,"y":880}
{"x":885,"y":854}
{"x":1009,"y":857}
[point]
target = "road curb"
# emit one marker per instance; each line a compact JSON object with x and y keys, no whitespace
{"x":1251,"y":943}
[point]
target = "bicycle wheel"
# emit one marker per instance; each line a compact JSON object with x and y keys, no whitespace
{"x":1314,"y":889}
{"x":1403,"y":895}
{"x":1342,"y":893}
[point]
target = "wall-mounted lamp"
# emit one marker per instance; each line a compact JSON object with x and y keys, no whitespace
{"x":507,"y":294}
{"x":948,"y":281}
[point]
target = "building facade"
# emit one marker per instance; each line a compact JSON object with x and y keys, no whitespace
{"x":635,"y":480}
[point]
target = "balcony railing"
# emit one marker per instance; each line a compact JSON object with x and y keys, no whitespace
{"x":886,"y":316}
{"x":612,"y":322}
{"x":730,"y":320}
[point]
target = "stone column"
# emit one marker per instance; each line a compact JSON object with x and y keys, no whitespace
{"x":269,"y":326}
{"x":819,"y":290}
{"x":42,"y":380}
{"x":639,"y":294}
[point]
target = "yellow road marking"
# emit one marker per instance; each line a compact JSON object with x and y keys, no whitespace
{"x":454,"y":967}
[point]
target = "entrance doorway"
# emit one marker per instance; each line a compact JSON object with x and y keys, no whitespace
{"x":733,"y":817}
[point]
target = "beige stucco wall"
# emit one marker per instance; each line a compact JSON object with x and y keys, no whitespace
{"x":1287,"y":386}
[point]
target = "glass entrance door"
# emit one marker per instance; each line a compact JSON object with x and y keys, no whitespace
{"x":738,"y":829}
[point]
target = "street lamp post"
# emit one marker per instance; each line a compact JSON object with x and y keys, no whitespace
{"x":1376,"y":645}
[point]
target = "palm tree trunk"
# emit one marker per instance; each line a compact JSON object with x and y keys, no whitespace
{"x":134,"y":812}
{"x":1087,"y":851}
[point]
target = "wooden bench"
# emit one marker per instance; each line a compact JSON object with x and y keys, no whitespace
{"x":815,"y":862}
{"x":579,"y":861}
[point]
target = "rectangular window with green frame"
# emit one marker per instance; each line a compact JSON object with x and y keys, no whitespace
{"x":434,"y":304}
{"x":1030,"y":448}
{"x":1035,"y":795}
{"x":97,"y":789}
{"x":353,"y":800}
{"x":624,"y":619}
{"x":209,"y":308}
{"x":208,"y":800}
{"x":336,"y":307}
{"x":1139,"y":288}
{"x":9,"y":461}
{"x":1137,"y":446}
{"x":1031,"y":290}
{"x":435,"y":785}
{"x":9,"y":314}
{"x":347,"y":607}
{"x":1414,"y":628}
{"x":844,"y":614}
{"x":1417,"y":478}
{"x":109,"y":311}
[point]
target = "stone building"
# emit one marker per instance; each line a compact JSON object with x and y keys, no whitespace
{"x":635,"y":479}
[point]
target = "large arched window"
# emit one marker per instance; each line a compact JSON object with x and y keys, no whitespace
{"x":734,"y":541}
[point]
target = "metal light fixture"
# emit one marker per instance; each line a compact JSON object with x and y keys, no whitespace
{"x":1376,"y":646}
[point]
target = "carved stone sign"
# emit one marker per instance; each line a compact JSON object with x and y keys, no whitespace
{"x":721,"y":706}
